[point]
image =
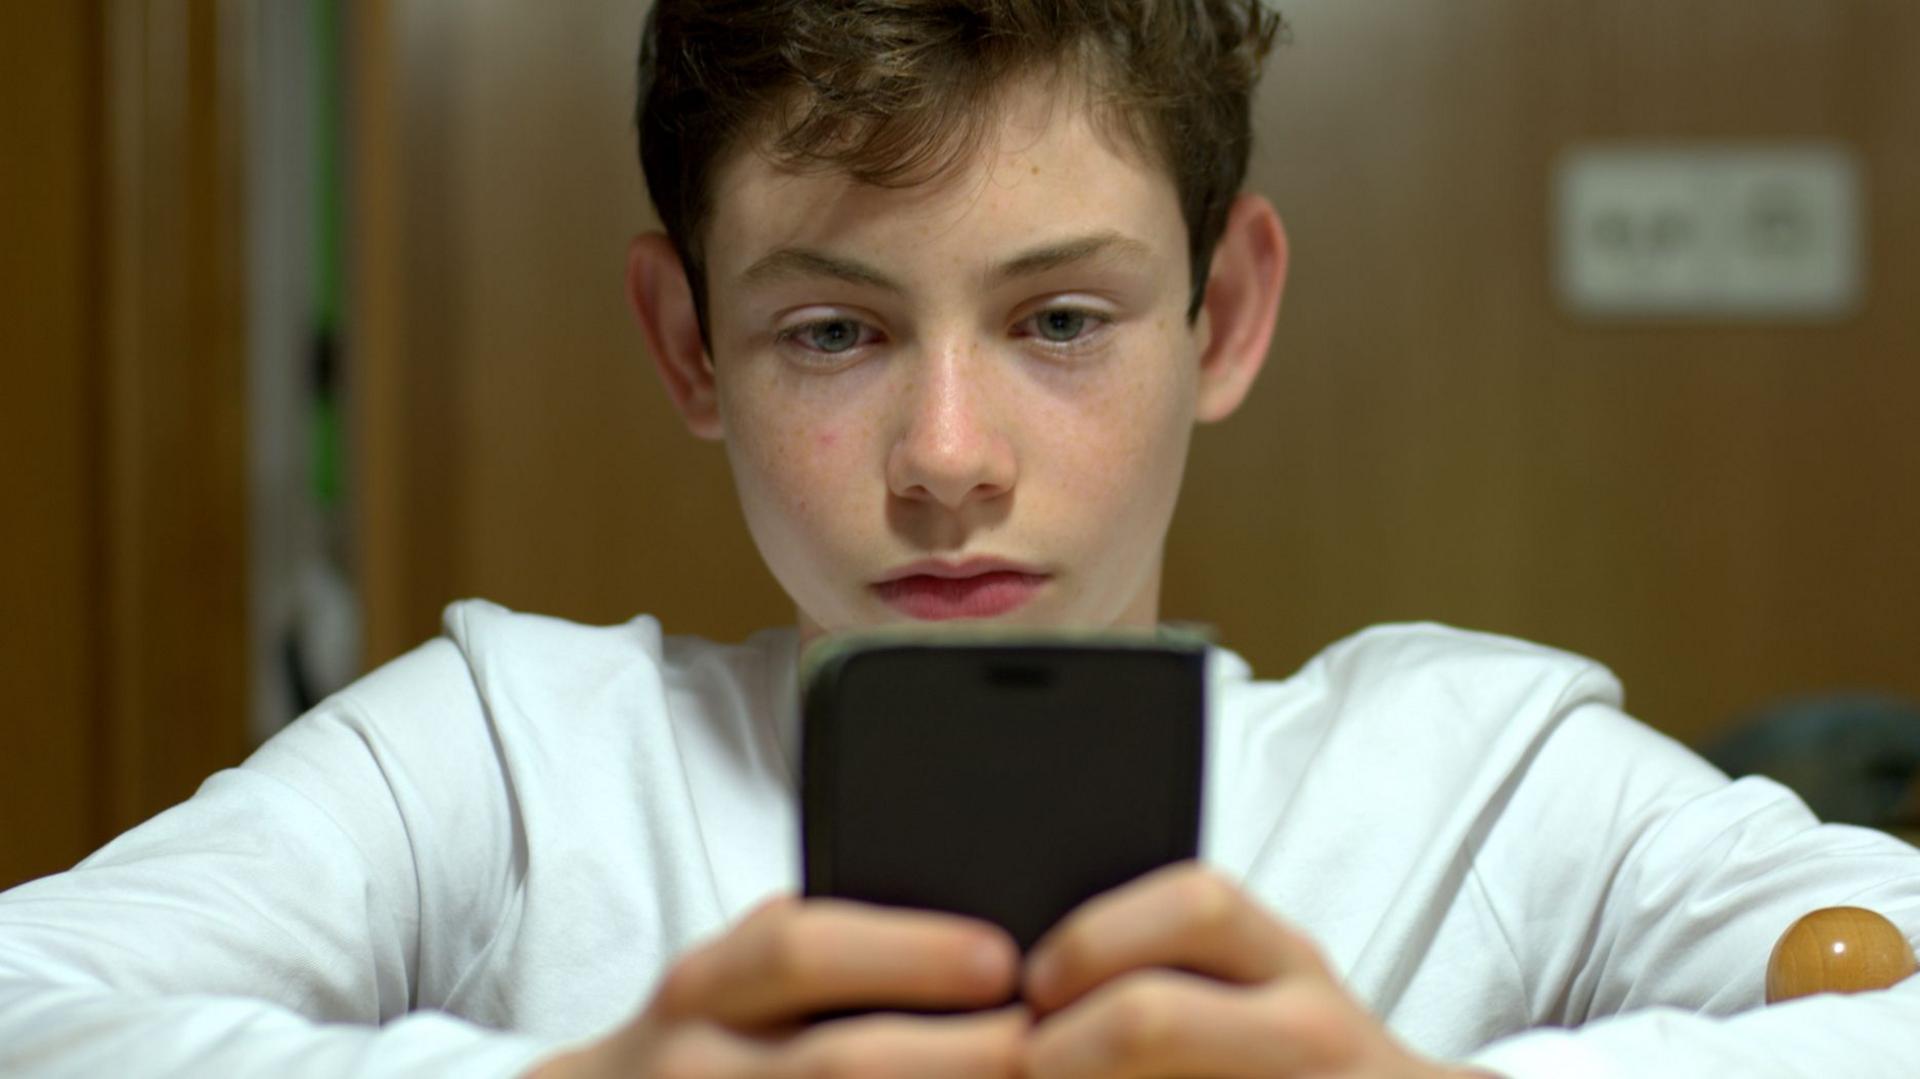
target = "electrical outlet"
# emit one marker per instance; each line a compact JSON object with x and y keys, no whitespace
{"x":1764,"y":232}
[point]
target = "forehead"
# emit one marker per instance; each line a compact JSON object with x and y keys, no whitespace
{"x":1046,"y":170}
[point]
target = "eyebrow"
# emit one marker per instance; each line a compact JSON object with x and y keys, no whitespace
{"x":791,"y":262}
{"x":1066,"y":252}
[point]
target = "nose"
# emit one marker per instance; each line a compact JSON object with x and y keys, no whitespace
{"x":952,"y":449}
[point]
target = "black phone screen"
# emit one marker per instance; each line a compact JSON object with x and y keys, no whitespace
{"x":1008,"y":782}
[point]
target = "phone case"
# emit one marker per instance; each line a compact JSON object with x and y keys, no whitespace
{"x":1004,"y":777}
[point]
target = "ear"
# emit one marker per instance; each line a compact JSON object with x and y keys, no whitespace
{"x":1242,"y":302}
{"x":663,"y":301}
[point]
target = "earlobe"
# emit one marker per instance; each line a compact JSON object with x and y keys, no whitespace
{"x":662,"y":300}
{"x":1243,"y":300}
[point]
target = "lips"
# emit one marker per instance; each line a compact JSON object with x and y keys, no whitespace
{"x":937,"y":592}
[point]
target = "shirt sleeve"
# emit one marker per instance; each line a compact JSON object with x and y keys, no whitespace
{"x":1642,"y":893}
{"x":273,"y":923}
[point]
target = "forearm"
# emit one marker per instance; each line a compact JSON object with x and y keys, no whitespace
{"x":1871,"y":1034}
{"x":51,"y":1029}
{"x":262,"y":927}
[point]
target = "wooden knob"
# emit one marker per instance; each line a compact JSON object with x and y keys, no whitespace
{"x":1837,"y":950}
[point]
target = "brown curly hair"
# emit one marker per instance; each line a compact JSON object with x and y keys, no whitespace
{"x":892,"y":92}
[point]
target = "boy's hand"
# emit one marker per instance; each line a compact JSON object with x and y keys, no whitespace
{"x":738,"y":1006}
{"x":1248,"y":995}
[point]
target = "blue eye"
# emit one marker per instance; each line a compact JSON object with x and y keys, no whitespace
{"x":831,"y":336}
{"x":1061,"y":325}
{"x":1065,"y":329}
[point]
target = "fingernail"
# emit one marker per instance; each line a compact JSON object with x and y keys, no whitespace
{"x":990,"y":960}
{"x":1040,"y":975}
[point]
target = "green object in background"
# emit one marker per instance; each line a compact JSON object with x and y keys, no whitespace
{"x":324,"y":429}
{"x":325,"y":446}
{"x":321,"y":644}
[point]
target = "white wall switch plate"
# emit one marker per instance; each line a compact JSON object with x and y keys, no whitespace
{"x":1747,"y":231}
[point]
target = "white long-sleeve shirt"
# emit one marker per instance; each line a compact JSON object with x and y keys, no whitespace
{"x":494,"y":847}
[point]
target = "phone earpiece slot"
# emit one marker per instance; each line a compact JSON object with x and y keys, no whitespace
{"x":1019,"y":676}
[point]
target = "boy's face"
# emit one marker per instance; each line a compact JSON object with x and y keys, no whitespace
{"x":966,"y":399}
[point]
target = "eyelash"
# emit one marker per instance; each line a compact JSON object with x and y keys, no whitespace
{"x":796,"y":335}
{"x":1095,"y":328}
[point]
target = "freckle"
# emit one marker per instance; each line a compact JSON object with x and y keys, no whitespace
{"x":1036,"y":170}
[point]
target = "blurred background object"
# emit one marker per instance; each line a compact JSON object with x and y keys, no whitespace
{"x":305,"y":616}
{"x":1854,"y":757}
{"x":315,"y":323}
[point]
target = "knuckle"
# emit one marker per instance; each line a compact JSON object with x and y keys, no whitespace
{"x":773,"y":908}
{"x":1311,"y":953}
{"x":791,"y":958}
{"x":682,"y":991}
{"x":1141,"y":1022}
{"x":1318,"y":1022}
{"x":831,"y":1058}
{"x":1072,"y":952}
{"x":1005,"y":1053}
{"x":1210,"y":902}
{"x":1304,"y":953}
{"x":681,"y":1058}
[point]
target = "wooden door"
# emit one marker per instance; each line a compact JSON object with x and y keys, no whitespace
{"x":123,"y":556}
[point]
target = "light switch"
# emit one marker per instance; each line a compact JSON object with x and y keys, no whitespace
{"x":1742,"y":231}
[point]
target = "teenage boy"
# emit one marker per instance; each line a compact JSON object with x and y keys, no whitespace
{"x":952,"y":280}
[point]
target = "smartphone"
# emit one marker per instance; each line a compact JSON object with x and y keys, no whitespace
{"x":1005,"y":778}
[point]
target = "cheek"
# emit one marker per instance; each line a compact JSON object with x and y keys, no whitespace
{"x":791,"y":470}
{"x":779,"y":464}
{"x":1127,"y":445}
{"x":800,"y":445}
